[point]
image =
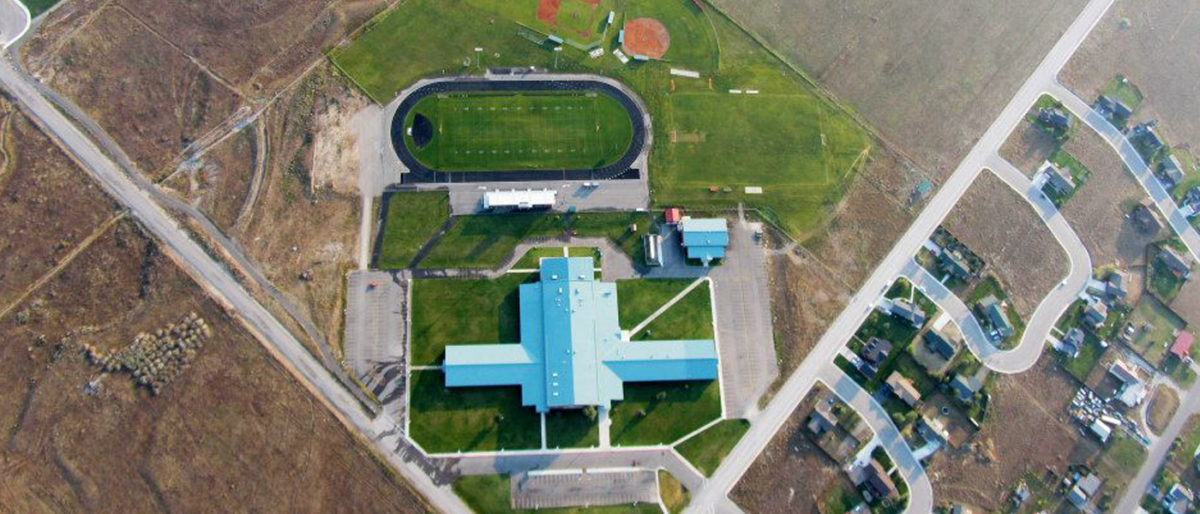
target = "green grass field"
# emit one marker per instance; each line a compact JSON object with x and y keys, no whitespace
{"x":449,"y":311}
{"x":800,"y":148}
{"x":37,"y":7}
{"x":521,"y":131}
{"x":470,"y":418}
{"x":412,"y":219}
{"x":577,"y":20}
{"x":663,"y":412}
{"x":707,"y":449}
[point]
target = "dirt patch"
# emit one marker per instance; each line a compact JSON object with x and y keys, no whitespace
{"x":806,"y":298}
{"x":985,"y":470}
{"x":47,"y":205}
{"x":1154,"y":45}
{"x":1187,"y":303}
{"x":548,"y":11}
{"x":233,"y":432}
{"x":930,"y":75}
{"x":792,"y":474}
{"x":1027,"y":148}
{"x":999,"y":226}
{"x":1161,"y":409}
{"x":150,"y":97}
{"x":303,"y":235}
{"x":648,"y":37}
{"x":1098,"y":210}
{"x":218,"y":182}
{"x":335,"y":147}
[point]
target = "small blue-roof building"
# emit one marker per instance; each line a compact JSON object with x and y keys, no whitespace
{"x":705,"y":239}
{"x":572,"y":351}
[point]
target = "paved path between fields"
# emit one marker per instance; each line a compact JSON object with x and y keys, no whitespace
{"x":712,"y":497}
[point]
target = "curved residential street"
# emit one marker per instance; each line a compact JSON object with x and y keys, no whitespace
{"x":1052,"y":306}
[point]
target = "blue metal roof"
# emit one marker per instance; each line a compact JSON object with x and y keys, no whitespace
{"x":705,"y":238}
{"x":571,"y":351}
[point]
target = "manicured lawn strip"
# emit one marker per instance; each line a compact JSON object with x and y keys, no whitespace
{"x":412,"y":219}
{"x":638,"y":299}
{"x":486,"y":241}
{"x":532,"y":258}
{"x":1152,"y":344}
{"x":898,"y":331}
{"x":37,"y":7}
{"x":707,"y":449}
{"x":673,"y":495}
{"x":470,"y":418}
{"x":689,"y":318}
{"x":1080,"y":367}
{"x":571,"y":429}
{"x":1125,"y":91}
{"x":454,"y":311}
{"x":1162,"y":282}
{"x":523,"y":130}
{"x":685,"y":407}
{"x":491,"y":494}
{"x":1120,"y":462}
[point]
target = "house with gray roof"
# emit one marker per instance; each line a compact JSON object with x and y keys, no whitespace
{"x":952,"y":262}
{"x":937,"y":343}
{"x":904,"y":309}
{"x":1175,"y":261}
{"x":1095,"y":314}
{"x":993,"y":312}
{"x":1172,"y":169}
{"x":1057,"y":179}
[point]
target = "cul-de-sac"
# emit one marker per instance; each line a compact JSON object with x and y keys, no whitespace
{"x":599,"y":256}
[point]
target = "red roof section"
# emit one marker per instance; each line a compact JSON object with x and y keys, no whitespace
{"x":673,"y":215}
{"x":1183,"y":345}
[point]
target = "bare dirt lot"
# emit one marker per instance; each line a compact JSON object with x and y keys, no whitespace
{"x":930,"y":76}
{"x":1187,"y":303}
{"x":1027,"y":148}
{"x":47,"y":205}
{"x":984,"y":471}
{"x":998,"y":225}
{"x":792,"y":474}
{"x":1157,"y":52}
{"x":218,"y":181}
{"x":303,"y":234}
{"x":146,"y":94}
{"x":1097,"y":210}
{"x":234,"y":432}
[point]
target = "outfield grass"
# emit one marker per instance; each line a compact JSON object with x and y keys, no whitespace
{"x":412,"y":219}
{"x":644,"y":418}
{"x":801,"y":149}
{"x":492,"y":494}
{"x":577,"y":20}
{"x":450,"y":311}
{"x":486,"y":241}
{"x":469,"y":418}
{"x":488,"y":131}
{"x":707,"y":449}
{"x":37,"y":7}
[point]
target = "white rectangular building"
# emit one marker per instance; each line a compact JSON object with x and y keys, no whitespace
{"x":523,"y":200}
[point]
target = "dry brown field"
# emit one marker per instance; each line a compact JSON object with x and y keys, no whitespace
{"x":931,"y":76}
{"x":984,"y":471}
{"x":1027,"y":148}
{"x":48,"y":207}
{"x":1157,"y":52}
{"x":235,"y":432}
{"x":806,"y":298}
{"x":218,"y":181}
{"x":792,"y":474}
{"x":999,"y":226}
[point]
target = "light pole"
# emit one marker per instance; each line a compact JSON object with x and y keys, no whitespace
{"x":557,"y":49}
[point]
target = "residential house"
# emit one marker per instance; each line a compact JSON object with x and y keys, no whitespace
{"x":904,"y":309}
{"x":903,"y":388}
{"x":1132,"y":390}
{"x":1117,"y":284}
{"x":1102,"y":430}
{"x":1172,"y":170}
{"x":1178,"y":499}
{"x":1175,"y":261}
{"x":1182,"y":347}
{"x":953,"y":263}
{"x":822,"y":419}
{"x":1146,"y":216}
{"x":876,"y":350}
{"x":1146,"y":134}
{"x":1084,"y":489}
{"x":1113,"y":108}
{"x":932,"y":429}
{"x":940,"y":345}
{"x":1072,"y":343}
{"x":1055,"y":119}
{"x":1095,"y":314}
{"x":993,"y":311}
{"x":878,"y":483}
{"x":966,"y":387}
{"x":1058,"y":179}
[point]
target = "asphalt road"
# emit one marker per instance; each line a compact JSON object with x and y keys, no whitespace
{"x":712,"y":496}
{"x":221,"y":284}
{"x":14,"y":21}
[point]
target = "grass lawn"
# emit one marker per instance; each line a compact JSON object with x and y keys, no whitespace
{"x":1162,"y":282}
{"x":707,"y":449}
{"x":900,"y":332}
{"x":1120,"y":462}
{"x":908,"y":366}
{"x":1080,"y":367}
{"x":663,"y":412}
{"x":673,"y":495}
{"x":801,"y":148}
{"x":839,"y":500}
{"x":452,"y":311}
{"x":1179,"y":371}
{"x":486,"y":241}
{"x":37,"y":7}
{"x":1152,"y":344}
{"x":579,"y":21}
{"x":470,"y":418}
{"x":1078,"y":172}
{"x":638,"y":299}
{"x":571,"y":429}
{"x":1189,"y":437}
{"x":412,"y":219}
{"x":1124,"y":90}
{"x":491,"y":494}
{"x":990,"y":286}
{"x":689,"y":318}
{"x":532,"y":258}
{"x":483,"y":131}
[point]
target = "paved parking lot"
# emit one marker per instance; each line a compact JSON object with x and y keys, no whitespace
{"x":375,"y":335}
{"x":569,"y":488}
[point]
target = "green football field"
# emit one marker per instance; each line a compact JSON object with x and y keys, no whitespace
{"x":521,"y":131}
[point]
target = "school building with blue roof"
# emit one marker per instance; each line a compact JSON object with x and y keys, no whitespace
{"x":572,"y":351}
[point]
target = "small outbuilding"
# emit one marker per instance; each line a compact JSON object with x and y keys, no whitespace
{"x":705,"y":239}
